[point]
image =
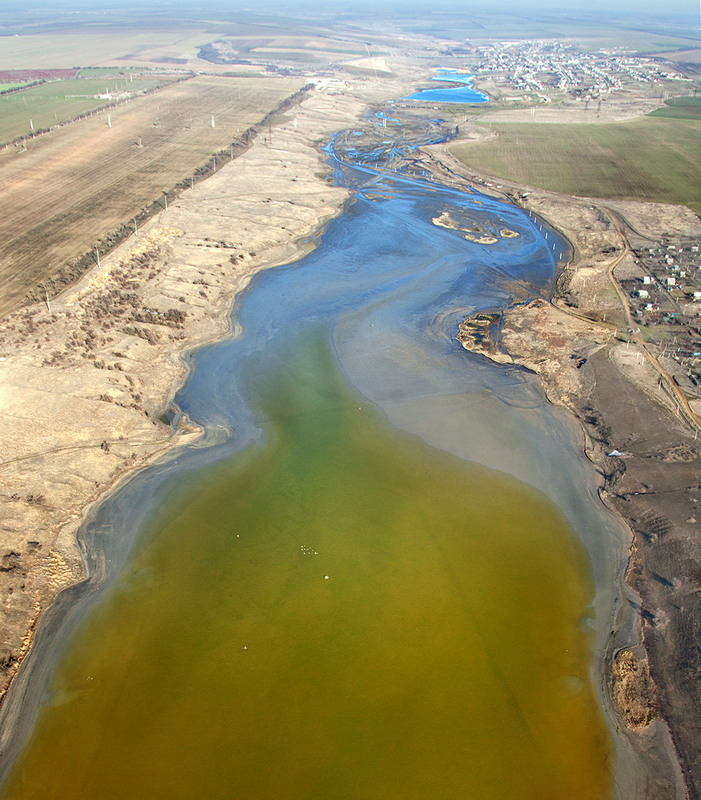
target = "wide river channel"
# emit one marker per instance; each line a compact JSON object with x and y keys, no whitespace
{"x":385,"y":573}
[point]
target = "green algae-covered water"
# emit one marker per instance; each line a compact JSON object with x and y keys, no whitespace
{"x":341,"y":612}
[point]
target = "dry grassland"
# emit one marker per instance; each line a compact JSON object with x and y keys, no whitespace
{"x":152,"y":40}
{"x":72,"y":186}
{"x":82,"y":386}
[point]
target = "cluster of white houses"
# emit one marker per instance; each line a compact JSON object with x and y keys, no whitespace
{"x":666,"y":300}
{"x":542,"y":64}
{"x":677,"y":269}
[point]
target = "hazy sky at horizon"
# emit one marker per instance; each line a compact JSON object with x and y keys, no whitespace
{"x":671,"y":8}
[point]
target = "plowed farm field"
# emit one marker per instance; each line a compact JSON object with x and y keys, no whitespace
{"x":71,"y":187}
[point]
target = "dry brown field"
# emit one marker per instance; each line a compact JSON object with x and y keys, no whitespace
{"x":74,"y":185}
{"x":42,"y":107}
{"x":692,"y":56}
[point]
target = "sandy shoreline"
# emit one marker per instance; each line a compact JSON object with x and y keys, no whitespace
{"x":84,"y":382}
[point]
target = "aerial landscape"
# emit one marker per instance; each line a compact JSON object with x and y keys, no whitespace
{"x":350,"y":393}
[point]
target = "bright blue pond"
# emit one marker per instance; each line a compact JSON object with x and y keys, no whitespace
{"x":458,"y":94}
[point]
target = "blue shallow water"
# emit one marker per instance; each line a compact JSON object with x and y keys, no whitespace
{"x":391,"y":287}
{"x":457,"y":94}
{"x":382,"y":272}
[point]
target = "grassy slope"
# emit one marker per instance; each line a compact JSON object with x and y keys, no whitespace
{"x":648,"y":159}
{"x":688,"y":107}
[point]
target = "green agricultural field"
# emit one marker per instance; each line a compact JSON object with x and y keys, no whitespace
{"x":688,"y":107}
{"x":59,"y":101}
{"x":652,"y":159}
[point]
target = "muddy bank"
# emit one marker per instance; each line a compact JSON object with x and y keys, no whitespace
{"x":645,"y":450}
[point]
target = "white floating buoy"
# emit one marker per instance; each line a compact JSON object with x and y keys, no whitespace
{"x":326,"y":577}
